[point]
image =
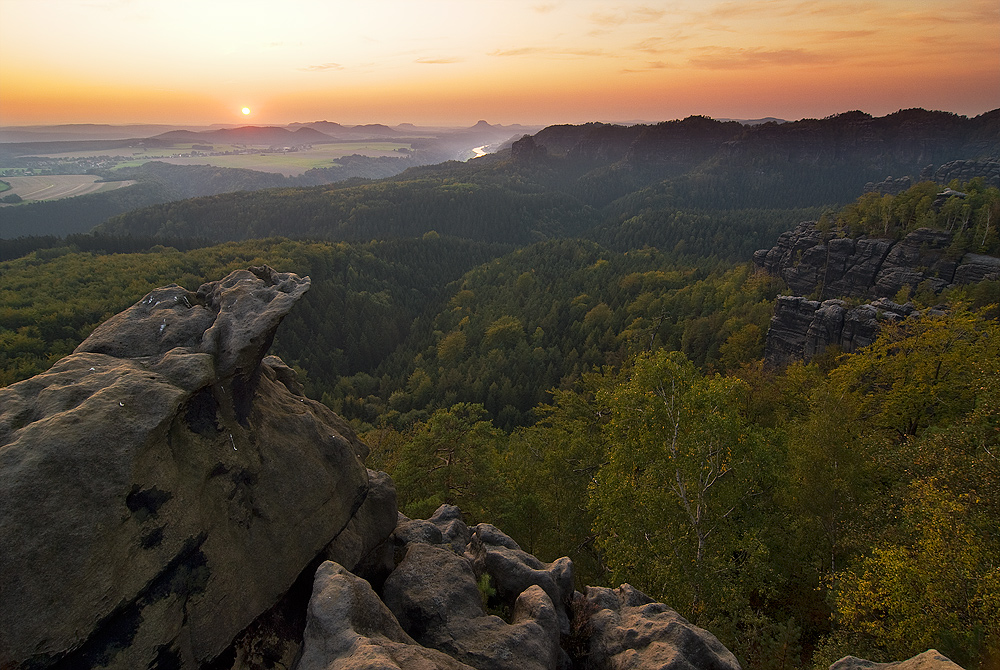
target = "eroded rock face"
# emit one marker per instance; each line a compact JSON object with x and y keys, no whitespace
{"x":870,"y":267}
{"x":433,"y":593}
{"x":801,"y":329}
{"x":814,"y":264}
{"x":931,"y":659}
{"x":350,"y":628}
{"x":162,"y":486}
{"x":434,"y":609}
{"x":628,"y":631}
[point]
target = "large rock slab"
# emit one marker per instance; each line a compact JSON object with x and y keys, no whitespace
{"x":162,"y":487}
{"x":349,"y":628}
{"x":628,"y":631}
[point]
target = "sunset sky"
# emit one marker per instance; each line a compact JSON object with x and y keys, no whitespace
{"x":506,"y":61}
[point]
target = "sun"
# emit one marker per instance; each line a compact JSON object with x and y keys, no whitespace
{"x":246,"y":111}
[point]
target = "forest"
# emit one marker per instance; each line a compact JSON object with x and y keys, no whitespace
{"x":582,"y":367}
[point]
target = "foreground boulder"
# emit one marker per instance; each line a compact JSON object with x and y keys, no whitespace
{"x":460,"y":597}
{"x":931,"y":659}
{"x":628,"y":631}
{"x":350,"y":628}
{"x":163,"y":486}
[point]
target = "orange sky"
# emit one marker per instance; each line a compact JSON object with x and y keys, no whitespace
{"x":507,"y":61}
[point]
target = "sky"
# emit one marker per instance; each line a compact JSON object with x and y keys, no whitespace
{"x":454,"y":62}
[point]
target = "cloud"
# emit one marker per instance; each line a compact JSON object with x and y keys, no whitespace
{"x":439,"y":61}
{"x":652,"y":65}
{"x":788,"y":8}
{"x":551,"y":53}
{"x":524,"y":51}
{"x":640,"y":14}
{"x":658,"y":45}
{"x":835,"y":35}
{"x":545,"y":9}
{"x":728,"y":58}
{"x":322,"y":68}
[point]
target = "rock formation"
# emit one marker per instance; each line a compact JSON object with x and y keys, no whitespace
{"x":434,"y":615}
{"x":931,"y":659}
{"x":168,"y":498}
{"x":870,"y":267}
{"x":803,"y":328}
{"x":165,"y":484}
{"x":831,"y":267}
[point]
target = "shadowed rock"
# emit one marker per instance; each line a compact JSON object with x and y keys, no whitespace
{"x":161,"y":487}
{"x":350,"y":628}
{"x":801,"y":329}
{"x":834,"y":266}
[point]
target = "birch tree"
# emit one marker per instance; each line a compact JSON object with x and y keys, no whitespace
{"x":672,"y":501}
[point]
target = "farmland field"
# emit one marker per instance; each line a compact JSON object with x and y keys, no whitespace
{"x":251,"y":157}
{"x":53,"y":187}
{"x":289,"y":164}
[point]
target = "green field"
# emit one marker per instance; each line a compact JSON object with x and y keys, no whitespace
{"x":290,"y":164}
{"x":55,"y":187}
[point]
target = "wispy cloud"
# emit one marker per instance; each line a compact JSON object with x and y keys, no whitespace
{"x":552,"y":53}
{"x":523,"y":51}
{"x":322,"y":68}
{"x":788,"y":8}
{"x":835,"y":35}
{"x":439,"y":61}
{"x":728,"y":58}
{"x":640,"y":14}
{"x":658,"y":45}
{"x":649,"y":66}
{"x":546,"y":8}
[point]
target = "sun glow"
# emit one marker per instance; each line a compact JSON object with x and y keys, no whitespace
{"x":539,"y":61}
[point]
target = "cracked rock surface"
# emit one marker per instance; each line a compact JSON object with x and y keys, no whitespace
{"x":163,"y":486}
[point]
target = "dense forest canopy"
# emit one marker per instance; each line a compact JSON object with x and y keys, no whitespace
{"x":566,"y":341}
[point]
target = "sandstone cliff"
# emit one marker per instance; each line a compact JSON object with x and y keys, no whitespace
{"x":836,"y":266}
{"x":168,"y":498}
{"x":830,"y":267}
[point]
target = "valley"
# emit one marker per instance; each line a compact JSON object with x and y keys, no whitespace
{"x":573,"y":339}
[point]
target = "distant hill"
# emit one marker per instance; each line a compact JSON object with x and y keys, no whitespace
{"x":251,"y":135}
{"x":339,"y":132}
{"x":697,"y":184}
{"x":85,"y":131}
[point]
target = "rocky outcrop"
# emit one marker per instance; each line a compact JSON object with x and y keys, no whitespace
{"x":832,"y":266}
{"x":164,"y":486}
{"x":931,"y":659}
{"x":801,"y":328}
{"x":964,"y":170}
{"x":836,"y":266}
{"x":350,"y":628}
{"x":525,"y":150}
{"x":628,"y":630}
{"x":442,"y":601}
